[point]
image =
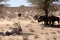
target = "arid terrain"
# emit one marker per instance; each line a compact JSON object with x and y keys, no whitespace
{"x":31,"y":29}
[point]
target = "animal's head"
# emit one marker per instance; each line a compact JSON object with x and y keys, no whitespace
{"x":36,"y":17}
{"x":41,"y":18}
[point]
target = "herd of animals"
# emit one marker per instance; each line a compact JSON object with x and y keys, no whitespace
{"x":51,"y":19}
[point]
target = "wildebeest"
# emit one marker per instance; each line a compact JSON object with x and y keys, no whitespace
{"x":44,"y":19}
{"x":50,"y":19}
{"x":36,"y":17}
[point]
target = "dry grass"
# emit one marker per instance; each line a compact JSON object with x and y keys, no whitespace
{"x":29,"y":26}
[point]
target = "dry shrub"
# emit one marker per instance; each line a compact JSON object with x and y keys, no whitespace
{"x":58,"y":31}
{"x":26,"y":26}
{"x":46,"y":33}
{"x":25,"y":37}
{"x":31,"y":30}
{"x":7,"y":25}
{"x":54,"y":38}
{"x":33,"y":22}
{"x":47,"y":38}
{"x":35,"y":36}
{"x":53,"y":32}
{"x":42,"y":28}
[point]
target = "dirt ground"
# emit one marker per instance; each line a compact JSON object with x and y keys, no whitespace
{"x":32,"y":30}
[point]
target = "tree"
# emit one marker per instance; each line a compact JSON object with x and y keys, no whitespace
{"x":22,"y":6}
{"x":46,"y":5}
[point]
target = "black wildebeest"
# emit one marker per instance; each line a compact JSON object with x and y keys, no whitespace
{"x":41,"y":18}
{"x":51,"y":19}
{"x":36,"y":17}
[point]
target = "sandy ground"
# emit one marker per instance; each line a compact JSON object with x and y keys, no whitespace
{"x":32,"y":30}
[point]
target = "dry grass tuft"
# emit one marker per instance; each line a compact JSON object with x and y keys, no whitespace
{"x":31,"y":30}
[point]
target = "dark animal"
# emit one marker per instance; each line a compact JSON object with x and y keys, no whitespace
{"x":51,"y":19}
{"x":44,"y":19}
{"x":36,"y":17}
{"x":19,"y":15}
{"x":40,"y":18}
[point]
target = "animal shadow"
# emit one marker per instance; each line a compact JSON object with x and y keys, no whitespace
{"x":53,"y":26}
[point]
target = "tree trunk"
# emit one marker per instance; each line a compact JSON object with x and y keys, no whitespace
{"x":46,"y":19}
{"x":46,"y":7}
